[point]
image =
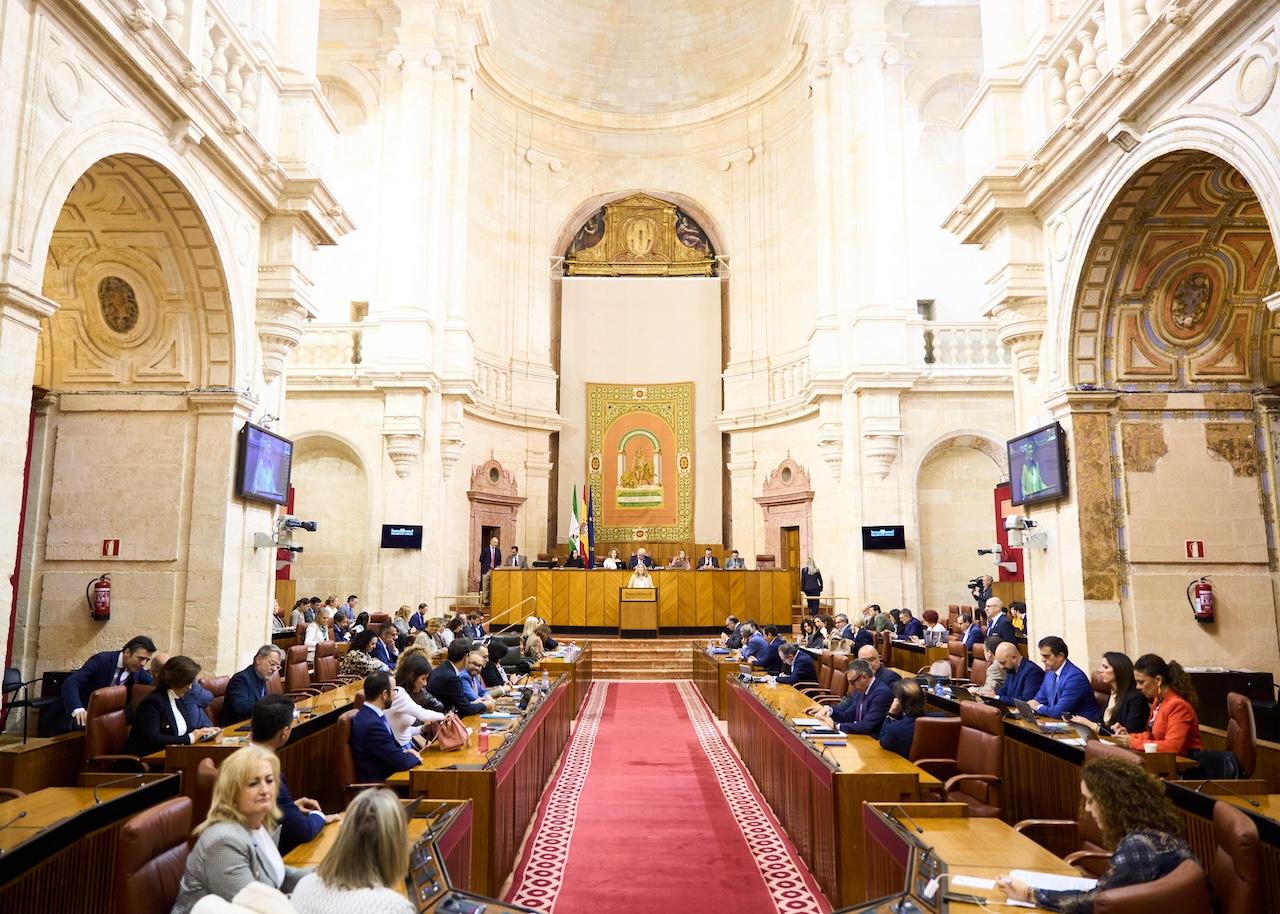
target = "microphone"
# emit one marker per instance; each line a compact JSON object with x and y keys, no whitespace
{"x":96,"y":800}
{"x":21,"y":815}
{"x":905,"y":815}
{"x":1235,"y":793}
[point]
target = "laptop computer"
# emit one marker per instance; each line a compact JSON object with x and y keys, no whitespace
{"x":1028,"y":714}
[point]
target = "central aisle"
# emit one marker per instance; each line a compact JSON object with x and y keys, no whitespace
{"x":652,"y":811}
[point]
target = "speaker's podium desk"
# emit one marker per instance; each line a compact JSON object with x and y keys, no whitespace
{"x":638,"y":612}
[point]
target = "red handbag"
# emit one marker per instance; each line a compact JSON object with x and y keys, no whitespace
{"x":446,"y":735}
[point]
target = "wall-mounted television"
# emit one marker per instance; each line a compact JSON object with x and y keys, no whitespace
{"x":884,"y":536}
{"x":401,"y":536}
{"x":265,"y":462}
{"x":1038,"y":465}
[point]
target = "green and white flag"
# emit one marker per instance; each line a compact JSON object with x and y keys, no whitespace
{"x":575,"y":525}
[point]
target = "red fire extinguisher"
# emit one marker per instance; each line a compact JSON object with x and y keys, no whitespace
{"x":98,"y":595}
{"x":1200,"y":596}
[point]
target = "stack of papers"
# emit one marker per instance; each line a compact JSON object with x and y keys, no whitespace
{"x":807,"y":722}
{"x":496,"y":715}
{"x":1053,"y":882}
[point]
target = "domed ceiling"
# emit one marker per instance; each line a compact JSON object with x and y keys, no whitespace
{"x":637,"y":56}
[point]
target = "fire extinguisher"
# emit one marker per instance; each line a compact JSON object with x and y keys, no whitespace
{"x":1200,"y":596}
{"x":98,"y":595}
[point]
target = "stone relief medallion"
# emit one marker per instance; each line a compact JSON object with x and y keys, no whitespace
{"x":118,"y":303}
{"x":1256,"y":78}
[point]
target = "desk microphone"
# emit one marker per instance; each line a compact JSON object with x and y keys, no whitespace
{"x":21,"y":815}
{"x":905,"y":815}
{"x":823,"y":749}
{"x":97,"y":800}
{"x":1235,"y":793}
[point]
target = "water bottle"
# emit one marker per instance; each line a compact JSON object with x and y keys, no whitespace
{"x":482,"y":741}
{"x":546,"y":683}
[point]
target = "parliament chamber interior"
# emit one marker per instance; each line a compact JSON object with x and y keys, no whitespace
{"x":560,"y":456}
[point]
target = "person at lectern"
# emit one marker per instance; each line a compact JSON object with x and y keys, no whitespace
{"x":708,"y":561}
{"x":640,"y":558}
{"x":811,"y":584}
{"x":640,"y":577}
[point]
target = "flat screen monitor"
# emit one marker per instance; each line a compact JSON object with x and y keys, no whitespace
{"x":1038,"y":465}
{"x":265,"y":463}
{"x":401,"y":536}
{"x":884,"y":536}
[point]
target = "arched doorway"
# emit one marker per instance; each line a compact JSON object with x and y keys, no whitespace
{"x":1173,"y":352}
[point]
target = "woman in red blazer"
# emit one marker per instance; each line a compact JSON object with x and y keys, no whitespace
{"x":1173,"y":725}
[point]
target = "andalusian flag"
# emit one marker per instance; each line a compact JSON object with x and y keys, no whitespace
{"x":575,"y":525}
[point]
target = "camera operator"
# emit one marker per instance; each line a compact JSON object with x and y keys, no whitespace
{"x":980,"y":589}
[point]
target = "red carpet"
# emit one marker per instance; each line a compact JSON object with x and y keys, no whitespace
{"x":651,"y":811}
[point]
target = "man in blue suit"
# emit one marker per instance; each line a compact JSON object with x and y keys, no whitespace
{"x":803,"y":669}
{"x":124,"y":667}
{"x":755,"y":644}
{"x":1022,"y":679}
{"x":866,"y":707}
{"x":768,"y":657}
{"x":1065,"y":689}
{"x":999,"y":623}
{"x":373,"y":746}
{"x":384,"y":648}
{"x":445,"y":682}
{"x":249,"y":685}
{"x":302,"y":818}
{"x":911,"y":627}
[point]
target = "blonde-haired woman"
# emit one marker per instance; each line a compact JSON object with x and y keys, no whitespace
{"x":401,"y":621}
{"x":368,"y":861}
{"x":236,"y":843}
{"x":811,"y":584}
{"x":530,"y":643}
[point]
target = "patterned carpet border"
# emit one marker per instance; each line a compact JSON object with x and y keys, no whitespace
{"x":788,"y":883}
{"x":538,"y":883}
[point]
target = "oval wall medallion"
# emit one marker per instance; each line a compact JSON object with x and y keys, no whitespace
{"x":118,"y":303}
{"x":1256,"y":79}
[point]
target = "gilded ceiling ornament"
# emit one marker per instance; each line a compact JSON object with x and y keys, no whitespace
{"x":640,"y":236}
{"x":118,"y":303}
{"x":1191,"y":300}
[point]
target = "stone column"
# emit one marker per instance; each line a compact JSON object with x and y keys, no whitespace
{"x":746,"y":378}
{"x":824,"y":341}
{"x":747,"y":538}
{"x":21,"y":312}
{"x":533,"y":383}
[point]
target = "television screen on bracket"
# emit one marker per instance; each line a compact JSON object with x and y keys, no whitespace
{"x":264,"y":466}
{"x":1038,"y":465}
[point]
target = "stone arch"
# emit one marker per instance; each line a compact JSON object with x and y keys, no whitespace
{"x":342,"y":442}
{"x":591,"y":202}
{"x":980,"y":441}
{"x":353,"y":85}
{"x":333,"y":487}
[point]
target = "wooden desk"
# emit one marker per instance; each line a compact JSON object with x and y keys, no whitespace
{"x":1196,"y":808}
{"x":712,"y":674}
{"x":578,"y":670}
{"x":985,"y":848}
{"x":304,"y":760}
{"x":689,"y":602}
{"x":61,"y":857}
{"x":908,"y":654}
{"x":41,"y":762}
{"x":817,"y":798}
{"x":506,"y":786}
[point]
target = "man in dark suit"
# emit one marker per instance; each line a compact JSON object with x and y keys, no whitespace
{"x":302,"y":817}
{"x":444,"y":682}
{"x":640,"y":558}
{"x":866,"y":707}
{"x":734,"y":561}
{"x":755,"y":644}
{"x":515,"y":559}
{"x":768,"y":657}
{"x":1065,"y":688}
{"x":490,"y":558}
{"x":999,"y":623}
{"x":871,"y":657}
{"x":982,"y":590}
{"x":803,"y":669}
{"x":1022,"y":677}
{"x":123,"y":667}
{"x":708,"y":561}
{"x":843,"y":629}
{"x":249,"y":685}
{"x":373,"y":746}
{"x":384,"y":646}
{"x":911,"y":626}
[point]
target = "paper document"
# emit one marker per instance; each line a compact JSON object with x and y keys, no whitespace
{"x":806,"y":722}
{"x":972,"y":882}
{"x":1054,"y":883}
{"x":496,"y":715}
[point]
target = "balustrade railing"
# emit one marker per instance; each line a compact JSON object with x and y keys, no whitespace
{"x":493,"y":380}
{"x":328,"y":346}
{"x":788,"y":379}
{"x":964,"y":345}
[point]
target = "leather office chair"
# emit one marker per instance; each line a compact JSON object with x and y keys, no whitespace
{"x":973,"y":771}
{"x":217,"y":686}
{"x":379,"y":618}
{"x":137,"y":692}
{"x":935,"y":737}
{"x":765,"y":560}
{"x":1101,"y":693}
{"x":106,"y":732}
{"x":344,"y":762}
{"x":978,"y":671}
{"x":297,"y":675}
{"x":884,"y":644}
{"x":152,"y":856}
{"x":1242,"y":732}
{"x":1237,"y":861}
{"x":11,"y":793}
{"x":202,"y":799}
{"x":274,"y":685}
{"x":300,"y":632}
{"x":326,"y":669}
{"x":956,"y":657}
{"x":17,"y":694}
{"x":1185,"y":890}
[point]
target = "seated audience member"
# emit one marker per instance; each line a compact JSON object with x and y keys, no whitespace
{"x":882,"y":621}
{"x":358,"y":661}
{"x":842,"y":628}
{"x":453,"y":628}
{"x":768,"y":658}
{"x":401,"y":622}
{"x":1173,"y":725}
{"x":810,"y":637}
{"x":995,"y":672}
{"x":1065,"y":689}
{"x":708,"y":560}
{"x":1136,"y":818}
{"x":866,"y":706}
{"x":862,"y":637}
{"x":870,"y":656}
{"x":612,"y":561}
{"x":729,"y":629}
{"x":374,"y":747}
{"x":298,"y":615}
{"x":680,"y":560}
{"x":898,"y":623}
{"x":734,"y":561}
{"x":1127,"y":710}
{"x":754,"y":644}
{"x":312,"y":611}
{"x":250,"y":684}
{"x":384,"y":647}
{"x":1022,"y":679}
{"x":543,"y":631}
{"x":341,"y":627}
{"x":421,"y":696}
{"x":640,"y":558}
{"x":361,"y":624}
{"x":911,"y":626}
{"x":351,"y":607}
{"x":418,"y":621}
{"x":405,"y":715}
{"x":435,"y":631}
{"x":899,"y":728}
{"x":801,"y":670}
{"x":445,"y":682}
{"x":363,"y":873}
{"x":235,"y":844}
{"x":975,"y":630}
{"x":476,"y":663}
{"x":317,"y":631}
{"x":195,"y":703}
{"x":1001,"y":625}
{"x":474,"y":629}
{"x":531,"y":645}
{"x":931,"y":623}
{"x":160,"y":719}
{"x":640,"y":577}
{"x":277,"y":618}
{"x":1018,"y":618}
{"x":123,"y":667}
{"x":515,"y":560}
{"x":493,"y":672}
{"x":472,"y":683}
{"x":300,"y":819}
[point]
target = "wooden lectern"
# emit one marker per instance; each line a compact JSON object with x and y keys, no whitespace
{"x":638,"y":612}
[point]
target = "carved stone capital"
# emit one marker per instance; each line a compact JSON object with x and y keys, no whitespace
{"x":402,"y":436}
{"x":280,"y":322}
{"x":831,"y":446}
{"x":1021,"y":324}
{"x":881,"y":443}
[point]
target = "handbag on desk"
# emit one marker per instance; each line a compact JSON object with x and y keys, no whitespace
{"x":446,"y":735}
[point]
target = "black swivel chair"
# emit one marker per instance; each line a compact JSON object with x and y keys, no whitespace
{"x":14,"y":686}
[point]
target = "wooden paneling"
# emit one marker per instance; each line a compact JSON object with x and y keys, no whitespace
{"x":578,"y":600}
{"x":669,"y":605}
{"x":578,"y":670}
{"x":42,"y":762}
{"x":711,"y":674}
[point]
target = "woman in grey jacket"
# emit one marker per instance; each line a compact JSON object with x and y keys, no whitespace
{"x":236,"y":843}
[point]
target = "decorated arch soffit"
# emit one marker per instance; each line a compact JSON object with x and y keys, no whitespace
{"x":981,"y":443}
{"x":1172,"y":290}
{"x":640,"y":236}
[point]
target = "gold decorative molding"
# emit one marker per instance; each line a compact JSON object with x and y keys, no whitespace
{"x":1234,"y":443}
{"x":1143,"y":445}
{"x":640,"y":236}
{"x":1099,"y":550}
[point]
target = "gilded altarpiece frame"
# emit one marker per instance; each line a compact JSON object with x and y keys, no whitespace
{"x":640,"y":461}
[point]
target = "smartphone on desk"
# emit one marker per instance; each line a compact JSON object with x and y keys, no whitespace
{"x":457,"y":904}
